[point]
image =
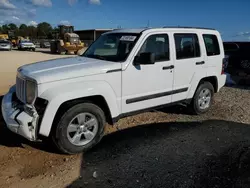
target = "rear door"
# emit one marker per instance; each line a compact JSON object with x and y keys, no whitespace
{"x":189,"y":62}
{"x":214,"y":53}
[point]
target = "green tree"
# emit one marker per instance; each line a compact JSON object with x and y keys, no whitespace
{"x":1,"y":29}
{"x":23,"y":27}
{"x":12,"y":27}
{"x":5,"y":28}
{"x":32,"y":31}
{"x":23,"y":30}
{"x":44,"y":29}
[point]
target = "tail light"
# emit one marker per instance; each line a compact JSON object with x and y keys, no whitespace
{"x":224,"y":64}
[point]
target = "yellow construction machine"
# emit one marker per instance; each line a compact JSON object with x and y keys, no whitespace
{"x":4,"y":36}
{"x":66,"y":41}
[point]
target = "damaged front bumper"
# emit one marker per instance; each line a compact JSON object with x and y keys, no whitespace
{"x":20,"y":118}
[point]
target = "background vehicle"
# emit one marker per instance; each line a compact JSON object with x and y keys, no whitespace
{"x":37,"y":44}
{"x":5,"y":45}
{"x":4,"y":36}
{"x":238,"y":54}
{"x":12,"y":38}
{"x":66,"y":41}
{"x":26,"y":44}
{"x":124,"y":72}
{"x":44,"y":44}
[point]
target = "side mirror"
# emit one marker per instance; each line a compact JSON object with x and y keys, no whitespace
{"x":146,"y":58}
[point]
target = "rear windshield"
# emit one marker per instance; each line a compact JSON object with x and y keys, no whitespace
{"x":230,"y":47}
{"x":245,"y":47}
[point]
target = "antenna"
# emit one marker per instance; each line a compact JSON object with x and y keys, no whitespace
{"x":148,"y":24}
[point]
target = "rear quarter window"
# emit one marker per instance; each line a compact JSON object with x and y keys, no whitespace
{"x":212,"y":44}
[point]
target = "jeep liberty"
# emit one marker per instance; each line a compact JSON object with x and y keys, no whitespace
{"x":124,"y":72}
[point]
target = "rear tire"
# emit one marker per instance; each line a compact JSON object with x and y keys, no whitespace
{"x":67,"y":141}
{"x":203,"y":98}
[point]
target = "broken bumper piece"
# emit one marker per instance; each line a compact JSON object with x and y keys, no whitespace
{"x":17,"y":120}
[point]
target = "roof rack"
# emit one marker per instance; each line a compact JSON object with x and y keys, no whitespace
{"x":185,"y":27}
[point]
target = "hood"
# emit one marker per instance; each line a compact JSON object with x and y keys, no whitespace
{"x":66,"y":68}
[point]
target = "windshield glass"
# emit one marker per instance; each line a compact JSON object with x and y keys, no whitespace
{"x":4,"y":42}
{"x":25,"y":41}
{"x":112,"y":47}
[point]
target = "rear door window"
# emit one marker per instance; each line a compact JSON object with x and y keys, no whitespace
{"x":212,"y":45}
{"x":187,"y":46}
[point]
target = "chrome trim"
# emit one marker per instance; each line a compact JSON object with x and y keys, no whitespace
{"x":21,"y":88}
{"x":21,"y":82}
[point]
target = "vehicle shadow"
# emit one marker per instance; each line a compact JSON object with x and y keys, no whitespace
{"x":176,"y":109}
{"x":183,"y":154}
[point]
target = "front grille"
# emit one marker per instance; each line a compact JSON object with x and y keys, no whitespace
{"x":21,"y":89}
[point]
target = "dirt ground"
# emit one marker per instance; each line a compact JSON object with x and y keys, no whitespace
{"x":10,"y":61}
{"x":170,"y":148}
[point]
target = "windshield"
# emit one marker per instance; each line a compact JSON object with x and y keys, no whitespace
{"x":4,"y":42}
{"x":25,"y":41}
{"x":112,"y":47}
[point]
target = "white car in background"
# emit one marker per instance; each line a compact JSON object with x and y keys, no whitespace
{"x":5,"y":45}
{"x":26,"y":45}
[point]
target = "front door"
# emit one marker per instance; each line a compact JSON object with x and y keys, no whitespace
{"x":145,"y":86}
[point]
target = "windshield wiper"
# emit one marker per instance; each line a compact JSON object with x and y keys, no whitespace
{"x":96,"y":56}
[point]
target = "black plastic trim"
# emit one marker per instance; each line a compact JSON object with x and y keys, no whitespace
{"x":114,"y":70}
{"x":157,"y":95}
{"x":145,"y":30}
{"x":40,"y":106}
{"x":168,"y":67}
{"x":186,"y":27}
{"x":15,"y":118}
{"x":116,"y":119}
{"x":200,"y":63}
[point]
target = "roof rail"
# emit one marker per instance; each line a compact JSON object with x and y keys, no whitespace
{"x":185,"y":27}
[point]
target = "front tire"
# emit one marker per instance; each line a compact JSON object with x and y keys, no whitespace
{"x":79,"y":129}
{"x":203,"y":98}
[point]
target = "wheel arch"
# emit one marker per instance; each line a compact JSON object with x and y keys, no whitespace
{"x":98,"y":100}
{"x":213,"y":80}
{"x":63,"y":97}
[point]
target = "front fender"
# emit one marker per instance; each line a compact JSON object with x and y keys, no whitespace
{"x":58,"y":95}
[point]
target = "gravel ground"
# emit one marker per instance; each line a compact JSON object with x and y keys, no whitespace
{"x":174,"y":149}
{"x":167,"y":148}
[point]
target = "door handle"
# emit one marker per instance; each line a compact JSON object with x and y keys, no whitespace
{"x":200,"y":63}
{"x":168,"y":67}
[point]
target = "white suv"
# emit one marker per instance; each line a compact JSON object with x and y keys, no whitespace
{"x":123,"y":72}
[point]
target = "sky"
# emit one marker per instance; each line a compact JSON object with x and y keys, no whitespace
{"x":230,"y":17}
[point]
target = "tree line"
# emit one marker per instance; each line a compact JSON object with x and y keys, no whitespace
{"x":42,"y":30}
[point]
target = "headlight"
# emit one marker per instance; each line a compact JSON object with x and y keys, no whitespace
{"x":31,"y":91}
